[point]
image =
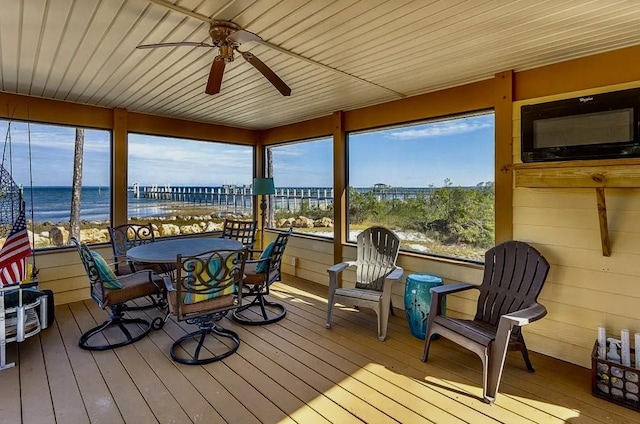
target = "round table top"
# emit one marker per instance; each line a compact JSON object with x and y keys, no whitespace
{"x":167,"y":251}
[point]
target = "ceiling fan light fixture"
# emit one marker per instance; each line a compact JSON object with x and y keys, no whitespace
{"x":219,"y":31}
{"x":227,"y":36}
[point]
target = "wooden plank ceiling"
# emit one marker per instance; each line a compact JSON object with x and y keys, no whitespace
{"x":346,"y":54}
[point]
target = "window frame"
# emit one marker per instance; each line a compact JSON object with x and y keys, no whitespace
{"x":320,"y":138}
{"x":404,"y":125}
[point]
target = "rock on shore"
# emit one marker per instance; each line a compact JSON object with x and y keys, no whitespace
{"x":57,"y":234}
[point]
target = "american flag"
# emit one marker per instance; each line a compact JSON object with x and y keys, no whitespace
{"x":14,"y":253}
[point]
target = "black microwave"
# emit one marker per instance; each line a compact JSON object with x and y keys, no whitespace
{"x":599,"y":126}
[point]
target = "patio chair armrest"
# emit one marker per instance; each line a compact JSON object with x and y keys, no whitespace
{"x":452,"y":288}
{"x":336,"y":269}
{"x":396,"y":274}
{"x":340,"y":267}
{"x":525,"y":316}
{"x":393,"y":277}
{"x":438,"y":292}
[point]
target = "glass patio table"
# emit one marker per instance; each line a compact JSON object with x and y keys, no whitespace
{"x":167,"y":251}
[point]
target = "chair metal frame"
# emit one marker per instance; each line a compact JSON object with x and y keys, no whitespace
{"x":514,"y":274}
{"x":116,"y":318}
{"x":243,"y":231}
{"x":376,"y":272}
{"x":193,"y":276}
{"x":126,"y":236}
{"x":257,"y":286}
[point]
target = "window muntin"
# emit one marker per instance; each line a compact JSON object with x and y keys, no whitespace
{"x":303,"y":176}
{"x":187,"y":186}
{"x":48,"y":199}
{"x":432,"y":183}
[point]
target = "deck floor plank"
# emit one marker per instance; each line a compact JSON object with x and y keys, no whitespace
{"x":285,"y":370}
{"x":63,"y":386}
{"x":462,"y":359}
{"x":417,"y":395}
{"x":462,"y":378}
{"x":159,"y":398}
{"x":366,"y":343}
{"x":100,"y":404}
{"x":292,"y":371}
{"x":37,"y":405}
{"x":375,"y":390}
{"x":225,"y":404}
{"x":187,"y":396}
{"x":362,"y":403}
{"x":254,"y":401}
{"x":128,"y":398}
{"x":545,"y":386}
{"x":10,"y":408}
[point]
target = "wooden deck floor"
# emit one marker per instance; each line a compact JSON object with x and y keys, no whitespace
{"x":292,"y":371}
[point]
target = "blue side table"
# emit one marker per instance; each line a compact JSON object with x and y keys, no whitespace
{"x":417,"y":301}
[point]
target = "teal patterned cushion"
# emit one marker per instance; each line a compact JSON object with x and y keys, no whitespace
{"x":109,"y":279}
{"x":262,"y":266}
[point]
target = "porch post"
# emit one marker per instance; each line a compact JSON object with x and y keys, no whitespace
{"x":339,"y":187}
{"x":119,"y":166}
{"x":503,"y":96}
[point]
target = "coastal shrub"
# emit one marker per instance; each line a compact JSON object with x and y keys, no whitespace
{"x":449,"y":215}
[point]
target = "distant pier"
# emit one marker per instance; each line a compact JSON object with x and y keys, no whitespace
{"x":236,"y":197}
{"x":240,"y":197}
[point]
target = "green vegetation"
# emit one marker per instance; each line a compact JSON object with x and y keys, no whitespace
{"x":448,"y":215}
{"x":449,"y":220}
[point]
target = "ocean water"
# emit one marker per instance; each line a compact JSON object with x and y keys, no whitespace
{"x":53,"y":204}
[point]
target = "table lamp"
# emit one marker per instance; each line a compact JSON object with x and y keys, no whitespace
{"x":263,"y":187}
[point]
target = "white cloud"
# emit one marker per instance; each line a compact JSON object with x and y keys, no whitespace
{"x":442,"y":129}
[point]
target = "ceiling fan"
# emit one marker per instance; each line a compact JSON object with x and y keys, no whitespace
{"x":227,"y":36}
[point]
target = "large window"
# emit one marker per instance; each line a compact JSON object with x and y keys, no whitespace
{"x":187,"y":186}
{"x":303,"y":176}
{"x":40,"y":160}
{"x":432,"y":183}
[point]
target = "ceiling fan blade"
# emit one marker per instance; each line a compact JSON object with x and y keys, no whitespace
{"x":243,"y":36}
{"x":179,"y":43}
{"x":215,"y":76}
{"x":268,"y":73}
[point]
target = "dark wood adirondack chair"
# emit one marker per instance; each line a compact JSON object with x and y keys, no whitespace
{"x":376,"y":271}
{"x":513,"y":277}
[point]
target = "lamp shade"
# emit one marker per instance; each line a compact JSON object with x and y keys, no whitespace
{"x":262,"y":186}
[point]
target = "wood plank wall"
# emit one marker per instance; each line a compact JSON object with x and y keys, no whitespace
{"x":584,"y":289}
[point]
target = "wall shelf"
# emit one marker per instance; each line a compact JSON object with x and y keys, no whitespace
{"x":594,"y":174}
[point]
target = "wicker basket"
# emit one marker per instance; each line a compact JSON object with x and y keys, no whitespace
{"x":615,"y":382}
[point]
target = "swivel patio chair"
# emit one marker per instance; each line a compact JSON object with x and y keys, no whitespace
{"x":376,"y":271}
{"x":111,"y":291}
{"x":206,"y":288}
{"x":259,"y":275}
{"x":241,"y":230}
{"x":514,"y":274}
{"x":124,"y":237}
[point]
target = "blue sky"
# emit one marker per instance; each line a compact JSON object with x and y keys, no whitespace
{"x":412,"y":156}
{"x":461,"y":150}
